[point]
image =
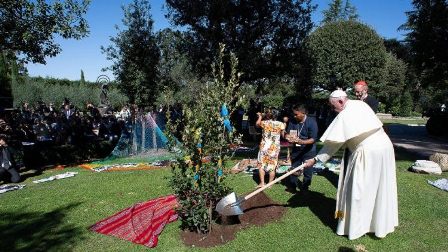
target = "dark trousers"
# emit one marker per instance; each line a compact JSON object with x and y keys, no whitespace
{"x":307,"y":176}
{"x":15,"y":176}
{"x":306,"y":182}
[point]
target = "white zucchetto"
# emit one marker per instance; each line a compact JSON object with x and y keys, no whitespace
{"x":338,"y":93}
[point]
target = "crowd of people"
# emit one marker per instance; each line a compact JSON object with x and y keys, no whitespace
{"x":30,"y":128}
{"x":59,"y":125}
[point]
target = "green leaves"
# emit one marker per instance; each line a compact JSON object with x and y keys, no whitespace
{"x":343,"y":52}
{"x":29,"y":27}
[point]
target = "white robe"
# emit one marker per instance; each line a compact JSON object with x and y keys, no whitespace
{"x":367,"y":191}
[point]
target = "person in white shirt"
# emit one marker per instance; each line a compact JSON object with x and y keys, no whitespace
{"x":366,"y":200}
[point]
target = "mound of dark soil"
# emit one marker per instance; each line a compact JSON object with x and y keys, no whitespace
{"x":258,"y":211}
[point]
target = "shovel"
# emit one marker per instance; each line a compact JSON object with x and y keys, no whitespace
{"x":230,"y":204}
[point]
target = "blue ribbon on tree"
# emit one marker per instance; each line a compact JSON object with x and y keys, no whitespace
{"x":225,"y":115}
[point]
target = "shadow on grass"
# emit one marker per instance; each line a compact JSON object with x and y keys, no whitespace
{"x":319,"y":204}
{"x":37,"y":231}
{"x":401,"y":154}
{"x":330,"y":176}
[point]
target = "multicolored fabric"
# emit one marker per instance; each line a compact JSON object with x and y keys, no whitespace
{"x":126,"y":166}
{"x":141,"y":223}
{"x":270,"y":144}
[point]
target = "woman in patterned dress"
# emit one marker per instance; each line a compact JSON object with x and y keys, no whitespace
{"x":270,"y":144}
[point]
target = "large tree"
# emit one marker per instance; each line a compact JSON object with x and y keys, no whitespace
{"x":135,"y":54}
{"x":393,"y":84}
{"x":428,"y":38}
{"x":28,"y":28}
{"x":342,"y":52}
{"x":338,"y":12}
{"x":266,"y":35}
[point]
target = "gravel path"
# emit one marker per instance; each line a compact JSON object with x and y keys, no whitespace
{"x":415,"y":139}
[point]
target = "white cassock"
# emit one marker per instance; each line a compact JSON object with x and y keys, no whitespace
{"x":367,"y":190}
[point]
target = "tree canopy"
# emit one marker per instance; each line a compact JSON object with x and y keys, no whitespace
{"x":135,"y":54}
{"x":342,"y":52}
{"x":266,"y":35}
{"x":28,"y":28}
{"x":427,"y":27}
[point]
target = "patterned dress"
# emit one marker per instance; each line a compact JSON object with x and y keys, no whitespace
{"x":270,"y":144}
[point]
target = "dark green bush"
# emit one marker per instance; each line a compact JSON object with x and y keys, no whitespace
{"x":343,"y":52}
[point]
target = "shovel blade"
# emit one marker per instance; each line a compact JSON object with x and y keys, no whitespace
{"x":230,"y":210}
{"x":229,"y":205}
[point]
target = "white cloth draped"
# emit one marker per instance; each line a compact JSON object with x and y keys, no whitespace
{"x":367,"y":191}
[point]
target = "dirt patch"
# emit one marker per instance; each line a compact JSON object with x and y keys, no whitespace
{"x":258,"y":211}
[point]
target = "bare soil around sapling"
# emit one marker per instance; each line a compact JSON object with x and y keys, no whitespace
{"x":258,"y":211}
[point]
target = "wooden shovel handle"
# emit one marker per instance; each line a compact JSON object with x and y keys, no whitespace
{"x":250,"y":195}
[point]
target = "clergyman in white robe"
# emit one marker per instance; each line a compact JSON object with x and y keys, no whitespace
{"x":367,"y":189}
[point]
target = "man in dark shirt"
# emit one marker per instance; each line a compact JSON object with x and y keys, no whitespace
{"x":302,"y":134}
{"x":361,"y":91}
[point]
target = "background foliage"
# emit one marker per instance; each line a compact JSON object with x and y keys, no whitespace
{"x":277,"y":92}
{"x":35,"y":89}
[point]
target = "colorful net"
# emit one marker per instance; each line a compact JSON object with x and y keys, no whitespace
{"x":144,"y":138}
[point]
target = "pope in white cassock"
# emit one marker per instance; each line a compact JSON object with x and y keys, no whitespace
{"x":367,"y":191}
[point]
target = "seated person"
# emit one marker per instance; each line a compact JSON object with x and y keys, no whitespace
{"x":7,"y":163}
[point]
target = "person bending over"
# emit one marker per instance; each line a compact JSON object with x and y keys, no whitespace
{"x":366,"y":200}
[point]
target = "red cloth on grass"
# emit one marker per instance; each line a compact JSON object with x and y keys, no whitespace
{"x":141,"y":223}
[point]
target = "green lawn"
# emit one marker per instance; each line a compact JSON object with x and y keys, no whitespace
{"x":54,"y":216}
